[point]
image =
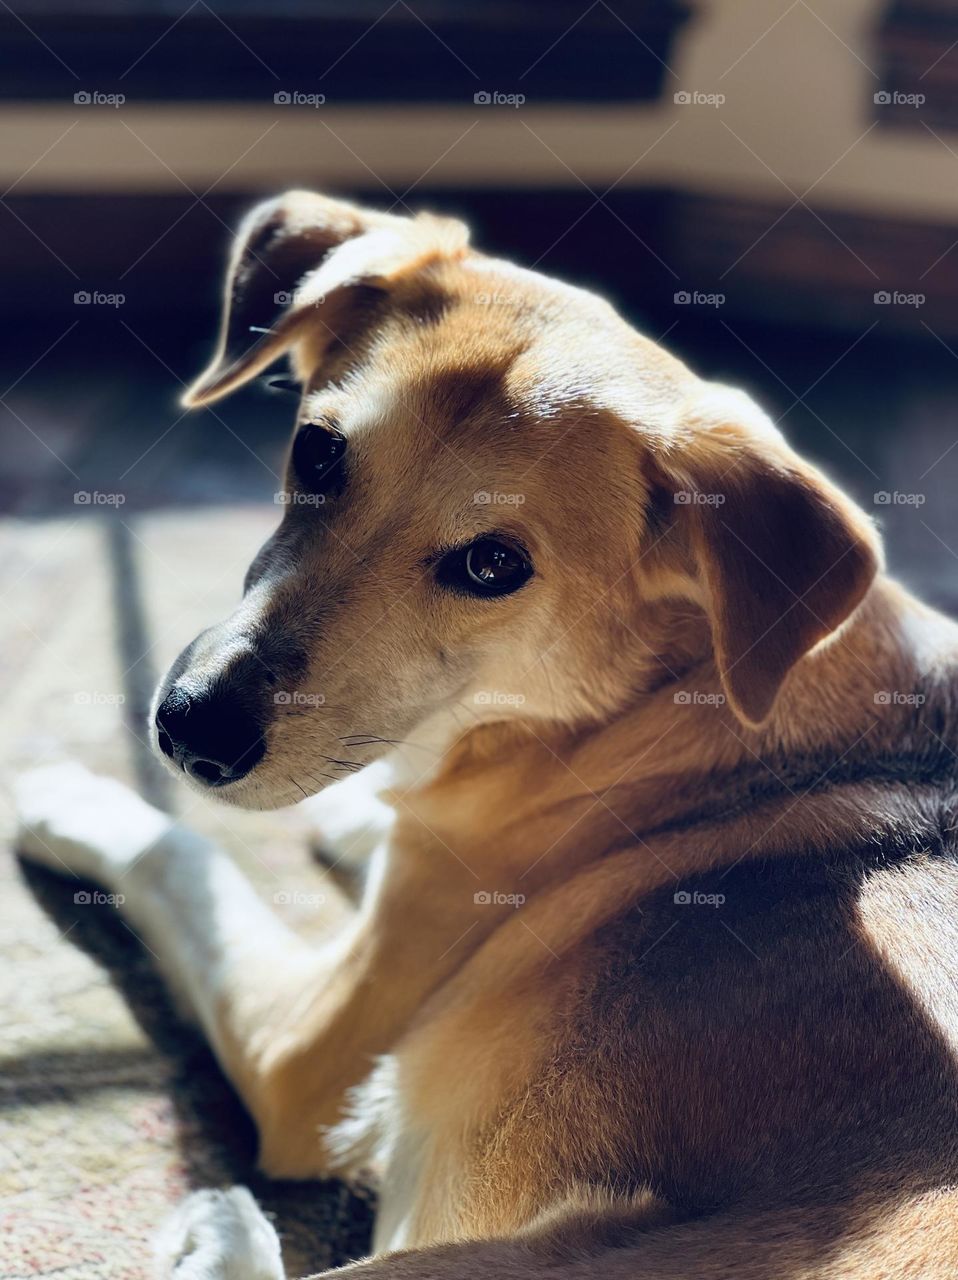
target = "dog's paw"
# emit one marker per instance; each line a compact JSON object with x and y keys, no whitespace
{"x":218,"y":1235}
{"x":77,"y":823}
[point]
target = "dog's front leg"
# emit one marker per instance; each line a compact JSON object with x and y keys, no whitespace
{"x":231,"y":963}
{"x":294,"y":1026}
{"x":186,"y":900}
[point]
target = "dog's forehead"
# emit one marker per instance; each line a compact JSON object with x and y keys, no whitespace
{"x":482,"y":359}
{"x":428,"y":382}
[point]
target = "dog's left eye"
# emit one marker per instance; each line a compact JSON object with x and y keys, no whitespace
{"x":318,"y":453}
{"x":487,"y":567}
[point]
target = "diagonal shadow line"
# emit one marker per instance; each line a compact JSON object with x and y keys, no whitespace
{"x":139,"y":678}
{"x":57,"y":1074}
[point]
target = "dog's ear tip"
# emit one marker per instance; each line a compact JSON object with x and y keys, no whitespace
{"x":216,"y":381}
{"x":194,"y":397}
{"x":752,"y":708}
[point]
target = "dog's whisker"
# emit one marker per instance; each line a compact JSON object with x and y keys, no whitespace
{"x":351,"y":765}
{"x":369,"y":740}
{"x":330,"y":777}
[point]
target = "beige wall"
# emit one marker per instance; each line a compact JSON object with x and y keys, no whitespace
{"x":797,"y":75}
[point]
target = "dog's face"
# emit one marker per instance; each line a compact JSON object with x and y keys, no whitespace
{"x":484,"y":513}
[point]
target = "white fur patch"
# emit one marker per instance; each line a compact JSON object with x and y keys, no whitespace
{"x":77,"y":823}
{"x":218,"y":1235}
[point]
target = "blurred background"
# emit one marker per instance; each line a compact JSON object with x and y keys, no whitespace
{"x":770,"y":187}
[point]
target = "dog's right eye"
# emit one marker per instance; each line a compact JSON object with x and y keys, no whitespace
{"x":318,"y":454}
{"x":486,"y":567}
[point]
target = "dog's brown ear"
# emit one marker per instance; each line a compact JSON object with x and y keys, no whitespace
{"x":298,"y":254}
{"x":780,"y":557}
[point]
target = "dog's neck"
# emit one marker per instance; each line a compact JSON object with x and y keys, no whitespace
{"x":546,"y":797}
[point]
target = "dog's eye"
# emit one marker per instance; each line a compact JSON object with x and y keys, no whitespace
{"x":487,"y":567}
{"x":318,"y":453}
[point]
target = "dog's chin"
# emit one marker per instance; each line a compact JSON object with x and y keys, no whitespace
{"x":259,"y":789}
{"x":255,"y":791}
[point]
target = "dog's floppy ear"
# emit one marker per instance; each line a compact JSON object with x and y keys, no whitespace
{"x":780,"y":557}
{"x":303,"y":253}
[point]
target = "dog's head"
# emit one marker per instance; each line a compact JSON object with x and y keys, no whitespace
{"x":495,"y":493}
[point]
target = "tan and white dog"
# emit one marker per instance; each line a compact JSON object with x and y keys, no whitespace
{"x":655,"y":973}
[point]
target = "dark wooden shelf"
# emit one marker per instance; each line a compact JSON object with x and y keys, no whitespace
{"x":420,"y":51}
{"x":917,"y":49}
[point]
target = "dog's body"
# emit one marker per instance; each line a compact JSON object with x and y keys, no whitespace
{"x":656,"y":969}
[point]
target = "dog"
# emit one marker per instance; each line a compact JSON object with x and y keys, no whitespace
{"x":651,"y":768}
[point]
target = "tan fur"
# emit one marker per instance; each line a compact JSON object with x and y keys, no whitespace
{"x":604,"y":1081}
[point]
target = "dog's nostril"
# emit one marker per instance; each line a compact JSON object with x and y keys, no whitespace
{"x":164,"y":739}
{"x":208,"y":771}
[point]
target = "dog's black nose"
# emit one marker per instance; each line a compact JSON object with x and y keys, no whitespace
{"x":208,"y":736}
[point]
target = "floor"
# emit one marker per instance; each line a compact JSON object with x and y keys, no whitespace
{"x":109,"y":1109}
